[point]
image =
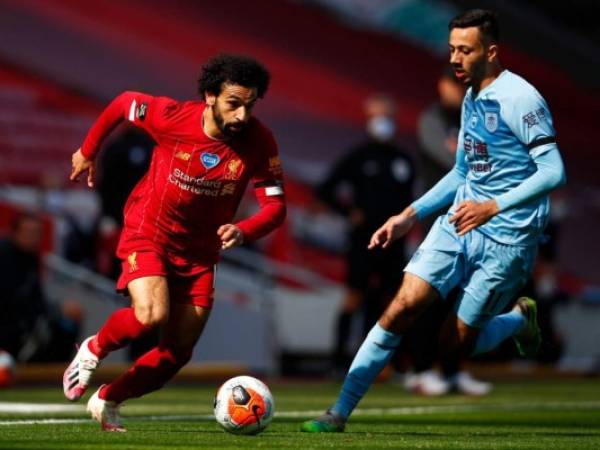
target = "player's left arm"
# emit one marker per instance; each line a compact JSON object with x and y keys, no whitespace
{"x":531,"y":122}
{"x":268,"y":189}
{"x":550,"y":174}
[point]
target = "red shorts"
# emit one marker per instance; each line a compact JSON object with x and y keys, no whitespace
{"x":188,"y":282}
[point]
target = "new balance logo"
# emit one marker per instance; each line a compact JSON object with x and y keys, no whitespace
{"x":184,"y":156}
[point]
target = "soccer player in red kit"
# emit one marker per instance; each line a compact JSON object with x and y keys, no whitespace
{"x":177,"y":219}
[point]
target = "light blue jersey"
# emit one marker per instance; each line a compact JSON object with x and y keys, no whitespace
{"x":506,"y":152}
{"x":502,"y":129}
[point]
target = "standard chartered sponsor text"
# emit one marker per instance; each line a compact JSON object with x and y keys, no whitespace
{"x":195,"y":185}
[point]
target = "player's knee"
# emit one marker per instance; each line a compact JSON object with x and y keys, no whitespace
{"x":152,"y":316}
{"x":401,"y":313}
{"x":409,"y":307}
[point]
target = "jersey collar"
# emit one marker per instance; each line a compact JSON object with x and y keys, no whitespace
{"x":489,"y":86}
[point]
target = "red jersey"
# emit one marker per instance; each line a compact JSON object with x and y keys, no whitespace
{"x":195,"y":183}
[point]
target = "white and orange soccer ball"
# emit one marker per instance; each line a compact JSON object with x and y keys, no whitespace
{"x":7,"y":369}
{"x":244,"y":405}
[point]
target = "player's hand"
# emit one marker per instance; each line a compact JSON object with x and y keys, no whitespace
{"x":469,"y":215}
{"x":231,"y":236}
{"x":395,"y":227}
{"x":80,"y":165}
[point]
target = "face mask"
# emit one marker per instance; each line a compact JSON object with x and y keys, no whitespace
{"x":381,"y":128}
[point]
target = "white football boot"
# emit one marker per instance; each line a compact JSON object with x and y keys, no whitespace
{"x":106,"y":413}
{"x":431,"y":384}
{"x":78,"y":375}
{"x":465,"y":383}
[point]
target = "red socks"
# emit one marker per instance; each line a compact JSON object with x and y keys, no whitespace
{"x":119,"y":330}
{"x":149,"y":373}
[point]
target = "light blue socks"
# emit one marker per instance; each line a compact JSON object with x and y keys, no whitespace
{"x":497,"y":330}
{"x":374,"y":353}
{"x":379,"y":346}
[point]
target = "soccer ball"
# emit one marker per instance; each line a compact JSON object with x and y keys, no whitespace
{"x":244,"y":405}
{"x":7,"y":369}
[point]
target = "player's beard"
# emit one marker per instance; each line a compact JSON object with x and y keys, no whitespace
{"x":477,"y":72}
{"x":225,"y":128}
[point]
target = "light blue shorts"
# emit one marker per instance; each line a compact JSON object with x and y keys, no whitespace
{"x":490,"y":274}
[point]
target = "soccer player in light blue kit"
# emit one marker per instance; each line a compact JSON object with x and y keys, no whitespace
{"x":507,"y":162}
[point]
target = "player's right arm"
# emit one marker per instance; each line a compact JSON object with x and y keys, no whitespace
{"x":394,"y":228}
{"x":135,"y":107}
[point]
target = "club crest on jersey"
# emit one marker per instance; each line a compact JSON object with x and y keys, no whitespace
{"x":491,"y":121}
{"x":209,"y":160}
{"x":232,"y":172}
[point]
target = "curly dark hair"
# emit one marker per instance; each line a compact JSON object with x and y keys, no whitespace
{"x":485,"y":20}
{"x":235,"y":69}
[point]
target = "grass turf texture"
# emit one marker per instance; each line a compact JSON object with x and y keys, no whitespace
{"x":534,"y":415}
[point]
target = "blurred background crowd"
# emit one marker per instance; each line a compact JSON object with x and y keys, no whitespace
{"x":366,"y":115}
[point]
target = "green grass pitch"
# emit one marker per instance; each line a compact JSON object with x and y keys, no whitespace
{"x":545,"y":415}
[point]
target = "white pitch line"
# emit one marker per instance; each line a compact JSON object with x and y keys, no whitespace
{"x":439,"y":409}
{"x":43,"y":422}
{"x":406,"y":410}
{"x":72,"y":421}
{"x":27,"y":408}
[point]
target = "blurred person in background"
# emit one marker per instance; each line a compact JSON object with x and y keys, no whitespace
{"x":437,"y":132}
{"x":31,"y":328}
{"x":75,"y":218}
{"x":370,"y":182}
{"x":438,"y":129}
{"x":122,"y":164}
